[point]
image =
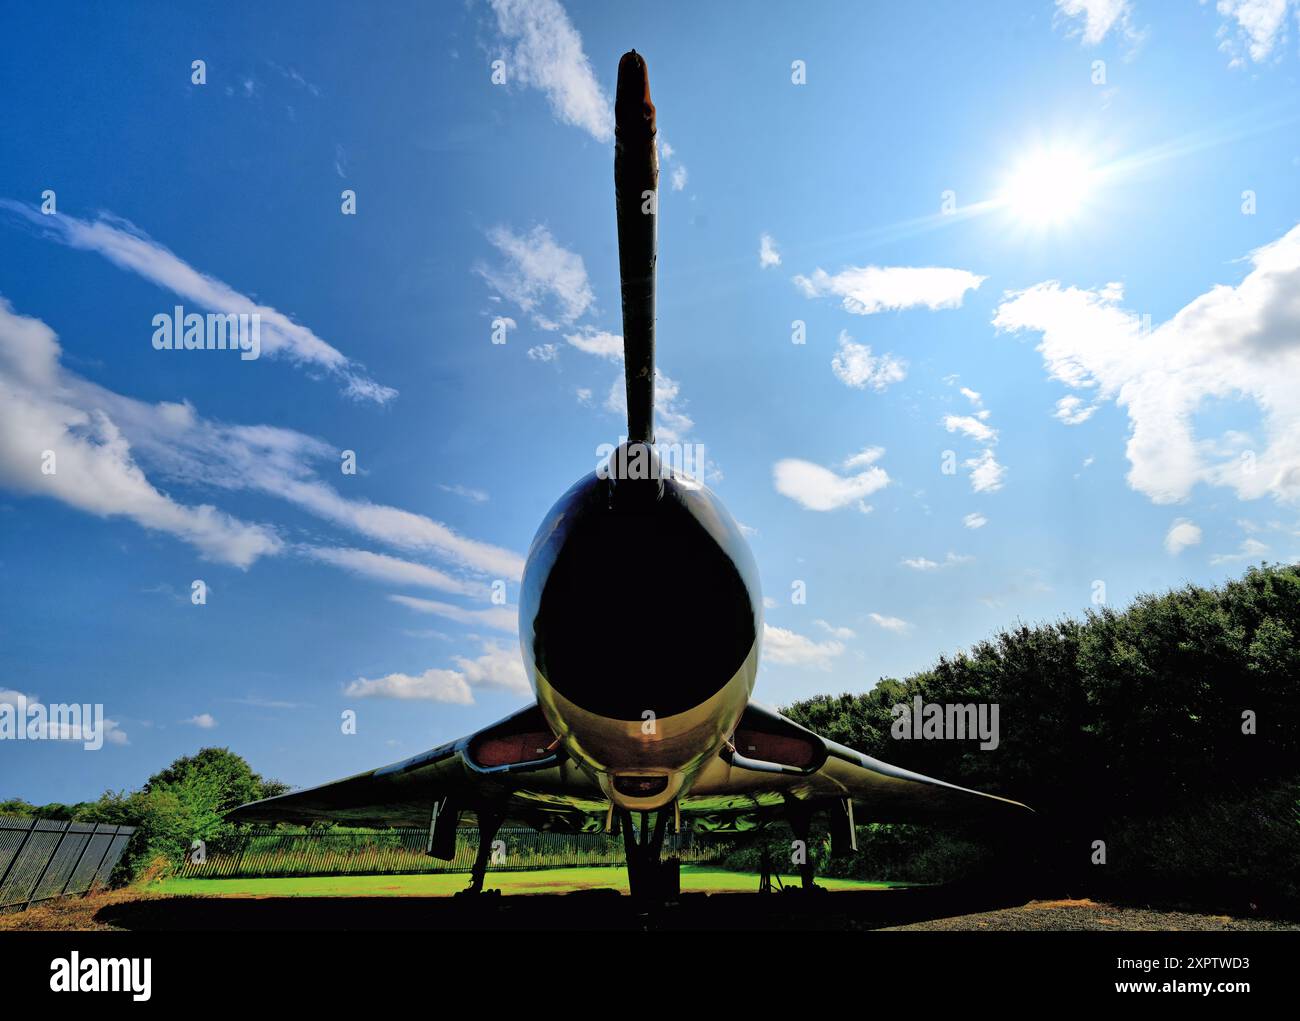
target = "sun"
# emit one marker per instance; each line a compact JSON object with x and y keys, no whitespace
{"x":1049,"y":187}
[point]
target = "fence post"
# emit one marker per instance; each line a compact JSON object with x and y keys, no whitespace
{"x":31,"y":825}
{"x":77,"y":864}
{"x":46,"y":867}
{"x":107,"y":847}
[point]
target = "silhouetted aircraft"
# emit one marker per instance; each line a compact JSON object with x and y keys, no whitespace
{"x":640,"y":621}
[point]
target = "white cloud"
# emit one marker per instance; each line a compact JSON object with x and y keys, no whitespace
{"x":856,"y":366}
{"x":842,"y":633}
{"x":1230,"y":343}
{"x":204,"y":721}
{"x":600,"y":343}
{"x":672,"y":423}
{"x":864,"y":457}
{"x":544,"y":353}
{"x":768,"y":256}
{"x":1072,"y":411}
{"x":975,"y":520}
{"x":1250,"y":549}
{"x":498,"y":618}
{"x":820,"y":489}
{"x":1098,"y":17}
{"x":397,"y":527}
{"x":1182,"y":533}
{"x":544,"y":51}
{"x":498,"y":667}
{"x":679,"y":178}
{"x":894,"y":624}
{"x":434,"y":685}
{"x":971,"y":396}
{"x":1260,"y":25}
{"x":95,"y":469}
{"x":971,"y":427}
{"x":781,"y":645}
{"x":925,"y":564}
{"x":986,"y":475}
{"x":103,"y":441}
{"x":391,"y":570}
{"x":583,"y":393}
{"x":541,"y":277}
{"x":472,"y":495}
{"x":127,"y":247}
{"x":865,"y":290}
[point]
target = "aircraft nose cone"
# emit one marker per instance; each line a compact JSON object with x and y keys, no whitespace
{"x":638,"y":609}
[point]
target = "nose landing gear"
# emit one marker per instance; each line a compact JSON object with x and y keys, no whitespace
{"x":649,"y":879}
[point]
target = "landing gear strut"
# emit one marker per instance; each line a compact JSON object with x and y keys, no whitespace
{"x":801,"y":824}
{"x":488,"y":825}
{"x":647,"y":877}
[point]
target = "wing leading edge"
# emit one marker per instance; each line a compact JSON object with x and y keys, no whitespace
{"x":774,"y":761}
{"x":509,"y":770}
{"x":512,"y":770}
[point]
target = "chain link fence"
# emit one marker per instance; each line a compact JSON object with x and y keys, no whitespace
{"x":272,"y":852}
{"x":41,"y":859}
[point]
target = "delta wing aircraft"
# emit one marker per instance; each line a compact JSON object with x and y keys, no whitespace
{"x":665,"y":729}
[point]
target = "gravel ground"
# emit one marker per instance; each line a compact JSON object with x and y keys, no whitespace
{"x":1073,"y":915}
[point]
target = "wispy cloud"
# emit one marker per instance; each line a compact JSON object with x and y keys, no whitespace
{"x":971,"y":427}
{"x":768,"y":256}
{"x":895,"y":624}
{"x":129,"y":248}
{"x":1252,"y":28}
{"x":1093,"y":20}
{"x":866,"y":290}
{"x":544,"y":279}
{"x":854,"y":365}
{"x":90,"y":464}
{"x":1250,"y":549}
{"x":469,"y":493}
{"x":498,"y":618}
{"x":925,"y":564}
{"x":392,"y":570}
{"x":543,"y":50}
{"x":103,"y":442}
{"x":986,"y":474}
{"x":498,"y":667}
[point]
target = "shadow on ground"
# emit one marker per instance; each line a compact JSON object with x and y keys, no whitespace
{"x":589,"y":909}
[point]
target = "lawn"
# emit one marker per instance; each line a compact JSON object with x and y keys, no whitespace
{"x":695,"y":879}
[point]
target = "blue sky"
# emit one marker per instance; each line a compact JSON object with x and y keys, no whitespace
{"x":969,"y":213}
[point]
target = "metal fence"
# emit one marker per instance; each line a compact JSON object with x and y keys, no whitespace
{"x":41,"y":859}
{"x":271,"y":852}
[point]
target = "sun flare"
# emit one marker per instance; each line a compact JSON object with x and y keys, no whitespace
{"x":1049,"y":186}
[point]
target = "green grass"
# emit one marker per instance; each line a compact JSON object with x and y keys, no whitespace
{"x":695,"y":879}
